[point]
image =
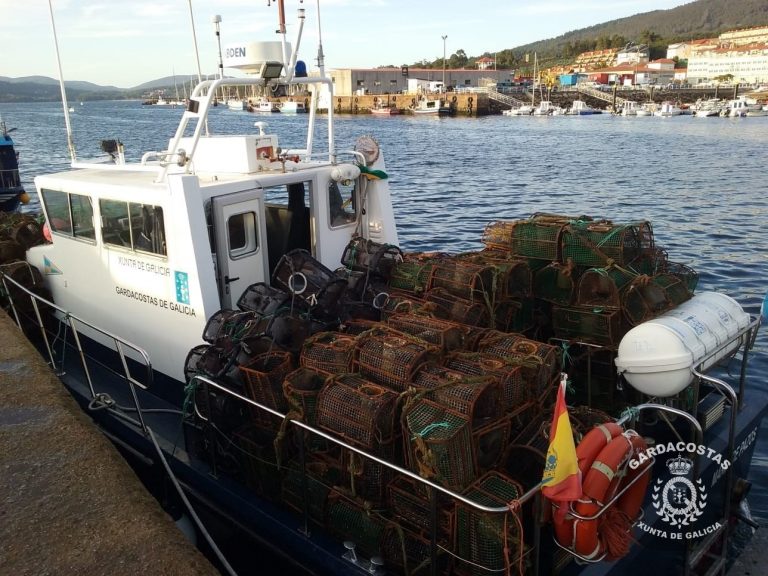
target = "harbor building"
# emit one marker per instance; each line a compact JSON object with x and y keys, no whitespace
{"x":742,"y":54}
{"x":362,"y":81}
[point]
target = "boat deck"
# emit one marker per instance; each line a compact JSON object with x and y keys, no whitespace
{"x":70,"y":504}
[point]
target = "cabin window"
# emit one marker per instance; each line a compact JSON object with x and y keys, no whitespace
{"x":69,"y":214}
{"x":342,"y":203}
{"x":82,"y":216}
{"x":241,"y":234}
{"x":132,"y":225}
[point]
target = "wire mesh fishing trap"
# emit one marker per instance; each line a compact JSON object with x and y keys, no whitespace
{"x":600,"y":243}
{"x":391,"y":358}
{"x":331,"y":352}
{"x":264,"y":376}
{"x":515,"y":392}
{"x":477,"y":397}
{"x":489,"y":542}
{"x":359,"y":411}
{"x":439,"y":444}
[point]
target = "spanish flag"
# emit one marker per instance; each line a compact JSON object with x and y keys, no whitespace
{"x":561,"y":482}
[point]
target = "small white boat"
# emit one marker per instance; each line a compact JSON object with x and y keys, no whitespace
{"x":739,"y":107}
{"x":425,"y":106}
{"x":263,"y":105}
{"x":546,"y":108}
{"x":524,"y":110}
{"x":581,"y":108}
{"x":381,"y":110}
{"x":668,"y":109}
{"x":762,"y":111}
{"x":708,"y":108}
{"x":630,"y":108}
{"x":647,"y":109}
{"x":237,"y":104}
{"x":293,"y":107}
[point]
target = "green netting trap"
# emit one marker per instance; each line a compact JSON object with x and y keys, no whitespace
{"x":601,"y":287}
{"x":488,"y":542}
{"x":600,"y":243}
{"x":556,"y":283}
{"x":439,"y":444}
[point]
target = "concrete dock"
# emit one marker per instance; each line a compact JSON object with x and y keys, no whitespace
{"x":752,"y":560}
{"x":69,"y":503}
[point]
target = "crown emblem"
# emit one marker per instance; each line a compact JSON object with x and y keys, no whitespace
{"x":680,"y":466}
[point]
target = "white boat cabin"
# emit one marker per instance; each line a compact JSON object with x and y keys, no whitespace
{"x":151,"y":250}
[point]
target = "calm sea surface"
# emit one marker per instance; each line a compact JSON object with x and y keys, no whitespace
{"x":700,"y":181}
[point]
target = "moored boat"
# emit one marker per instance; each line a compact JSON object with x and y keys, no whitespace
{"x":666,"y":109}
{"x":380,"y":109}
{"x":581,"y":108}
{"x":524,"y":110}
{"x":425,"y":105}
{"x":740,"y":107}
{"x":630,"y":108}
{"x":237,"y":104}
{"x":547,"y":108}
{"x":293,"y":107}
{"x":417,"y":401}
{"x":11,"y":191}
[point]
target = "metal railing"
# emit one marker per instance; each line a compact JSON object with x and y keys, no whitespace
{"x":10,"y":178}
{"x":13,"y":290}
{"x":497,"y":96}
{"x":533,"y":494}
{"x":600,"y":95}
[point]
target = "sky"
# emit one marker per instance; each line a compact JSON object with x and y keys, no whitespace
{"x":125,"y":43}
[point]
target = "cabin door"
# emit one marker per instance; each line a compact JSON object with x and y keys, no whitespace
{"x":240,"y":235}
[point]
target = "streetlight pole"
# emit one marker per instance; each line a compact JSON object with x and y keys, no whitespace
{"x":216,"y":27}
{"x":444,"y":37}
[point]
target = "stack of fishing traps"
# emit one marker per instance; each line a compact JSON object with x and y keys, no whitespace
{"x":444,"y":365}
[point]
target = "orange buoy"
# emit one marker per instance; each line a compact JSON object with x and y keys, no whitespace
{"x":588,"y":449}
{"x":606,"y":478}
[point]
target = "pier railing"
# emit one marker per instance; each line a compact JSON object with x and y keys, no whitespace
{"x":505,"y":99}
{"x":32,"y":313}
{"x":600,"y":95}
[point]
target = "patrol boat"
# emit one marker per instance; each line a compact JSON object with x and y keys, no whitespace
{"x":390,"y":416}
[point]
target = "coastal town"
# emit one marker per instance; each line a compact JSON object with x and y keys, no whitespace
{"x":721,"y":76}
{"x":734,"y":63}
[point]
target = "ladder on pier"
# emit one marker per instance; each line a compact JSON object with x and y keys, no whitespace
{"x":506,"y":99}
{"x":600,"y":95}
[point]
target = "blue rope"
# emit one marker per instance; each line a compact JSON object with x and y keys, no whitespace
{"x":431,"y":427}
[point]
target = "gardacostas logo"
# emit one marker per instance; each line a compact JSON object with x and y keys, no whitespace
{"x":678,"y":500}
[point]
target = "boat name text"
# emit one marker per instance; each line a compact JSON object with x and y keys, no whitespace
{"x":238,"y":52}
{"x":149,"y":267}
{"x":155,"y":301}
{"x":671,"y":447}
{"x":669,"y":535}
{"x":748,"y":440}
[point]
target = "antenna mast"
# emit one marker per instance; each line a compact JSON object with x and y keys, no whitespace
{"x":194,"y":39}
{"x":70,"y":142}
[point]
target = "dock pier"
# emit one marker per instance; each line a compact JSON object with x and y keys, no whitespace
{"x":69,"y":502}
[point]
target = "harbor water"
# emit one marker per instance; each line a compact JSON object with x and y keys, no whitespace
{"x":700,"y":181}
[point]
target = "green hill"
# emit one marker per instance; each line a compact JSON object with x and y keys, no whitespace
{"x":657,"y":29}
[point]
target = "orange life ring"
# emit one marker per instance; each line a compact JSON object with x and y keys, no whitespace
{"x":587,"y":451}
{"x":375,"y":99}
{"x":607,"y":477}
